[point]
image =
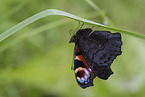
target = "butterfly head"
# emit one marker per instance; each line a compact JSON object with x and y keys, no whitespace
{"x":73,"y":39}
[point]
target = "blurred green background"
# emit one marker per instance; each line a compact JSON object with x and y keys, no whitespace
{"x":36,"y":61}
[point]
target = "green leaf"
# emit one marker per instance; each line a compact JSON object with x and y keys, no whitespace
{"x":48,"y":12}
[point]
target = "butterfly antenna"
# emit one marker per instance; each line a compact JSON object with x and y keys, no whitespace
{"x":93,"y":30}
{"x":70,"y":32}
{"x":72,"y":66}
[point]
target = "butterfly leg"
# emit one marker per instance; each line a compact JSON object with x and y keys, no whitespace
{"x":79,"y":27}
{"x":93,"y":30}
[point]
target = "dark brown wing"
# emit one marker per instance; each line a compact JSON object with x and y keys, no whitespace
{"x":99,"y":50}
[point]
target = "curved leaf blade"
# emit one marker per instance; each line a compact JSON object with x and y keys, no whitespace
{"x":49,"y":12}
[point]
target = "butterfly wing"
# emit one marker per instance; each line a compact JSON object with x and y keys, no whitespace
{"x":99,"y":50}
{"x":83,"y":73}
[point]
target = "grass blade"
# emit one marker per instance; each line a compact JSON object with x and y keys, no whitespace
{"x":49,"y":12}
